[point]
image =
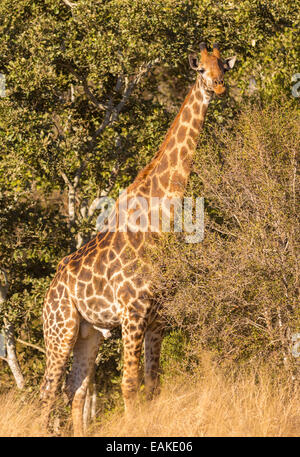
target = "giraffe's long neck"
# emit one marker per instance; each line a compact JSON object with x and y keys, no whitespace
{"x":168,"y":172}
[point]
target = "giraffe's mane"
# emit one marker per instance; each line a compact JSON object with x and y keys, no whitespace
{"x":142,"y":175}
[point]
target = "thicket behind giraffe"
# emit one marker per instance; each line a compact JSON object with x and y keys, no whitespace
{"x":106,"y":283}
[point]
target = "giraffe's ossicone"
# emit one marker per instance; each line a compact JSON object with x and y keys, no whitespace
{"x":106,"y":283}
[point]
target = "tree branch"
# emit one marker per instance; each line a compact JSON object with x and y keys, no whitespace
{"x":9,"y":333}
{"x":84,"y":82}
{"x":68,"y":3}
{"x":34,"y":346}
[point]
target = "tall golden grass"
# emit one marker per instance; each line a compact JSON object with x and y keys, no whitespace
{"x":212,"y":402}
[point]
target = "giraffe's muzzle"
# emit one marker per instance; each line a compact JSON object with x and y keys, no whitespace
{"x":220,"y":89}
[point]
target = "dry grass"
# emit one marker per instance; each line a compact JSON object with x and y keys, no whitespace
{"x":210,"y":404}
{"x":19,"y":415}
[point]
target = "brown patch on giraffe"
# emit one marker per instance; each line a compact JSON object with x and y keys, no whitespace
{"x":60,"y":289}
{"x":186,"y":114}
{"x":135,"y":238}
{"x":118,"y":278}
{"x":164,"y":179}
{"x":106,"y":241}
{"x":96,"y":303}
{"x":163,"y":165}
{"x":85,"y":275}
{"x":89,"y":290}
{"x":99,"y":283}
{"x":53,"y":295}
{"x":104,"y":256}
{"x":126,"y":293}
{"x":193,"y":133}
{"x":113,"y":268}
{"x":89,"y":259}
{"x":108,"y":293}
{"x":71,"y":282}
{"x":119,"y":242}
{"x":65,"y":308}
{"x":186,"y":164}
{"x":196,"y":124}
{"x":177,"y":182}
{"x":128,"y":254}
{"x":173,"y":157}
{"x":203,"y":112}
{"x":138,"y":281}
{"x":181,"y":134}
{"x":106,"y":315}
{"x":154,"y":184}
{"x":198,"y":95}
{"x":59,"y":318}
{"x":196,"y":108}
{"x":176,"y":126}
{"x":111,"y":255}
{"x":130,"y":268}
{"x":81,"y":289}
{"x":54,"y":305}
{"x":132,"y":328}
{"x":183,"y":152}
{"x":171,"y":143}
{"x":74,"y":266}
{"x":158,"y":191}
{"x":99,"y":267}
{"x":137,"y":308}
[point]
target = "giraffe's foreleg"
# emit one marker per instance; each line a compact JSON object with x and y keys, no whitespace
{"x":84,"y":355}
{"x":153,"y":340}
{"x":61,"y":322}
{"x":133,"y":332}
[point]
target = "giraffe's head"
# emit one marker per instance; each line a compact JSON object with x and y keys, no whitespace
{"x":211,"y":69}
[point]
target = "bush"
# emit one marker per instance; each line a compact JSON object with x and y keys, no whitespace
{"x":237,"y":294}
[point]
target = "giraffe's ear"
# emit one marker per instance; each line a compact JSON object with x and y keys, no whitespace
{"x":194,"y":62}
{"x":229,"y":63}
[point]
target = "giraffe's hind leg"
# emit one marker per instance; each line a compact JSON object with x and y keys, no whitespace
{"x":152,"y":345}
{"x":61,"y":323}
{"x":84,"y":355}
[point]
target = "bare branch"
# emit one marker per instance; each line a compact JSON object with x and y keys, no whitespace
{"x":91,"y":96}
{"x":130,"y":87}
{"x":66,"y":179}
{"x":85,"y":84}
{"x":79,"y":172}
{"x":35,"y":346}
{"x":4,"y":288}
{"x":68,"y":3}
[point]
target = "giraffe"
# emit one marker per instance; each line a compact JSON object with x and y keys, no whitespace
{"x":106,"y":283}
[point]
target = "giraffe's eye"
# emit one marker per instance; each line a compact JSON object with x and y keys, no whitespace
{"x":201,"y":70}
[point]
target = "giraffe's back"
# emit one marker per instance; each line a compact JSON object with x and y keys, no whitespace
{"x":104,"y":277}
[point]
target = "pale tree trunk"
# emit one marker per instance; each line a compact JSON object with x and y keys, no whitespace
{"x":9,"y":333}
